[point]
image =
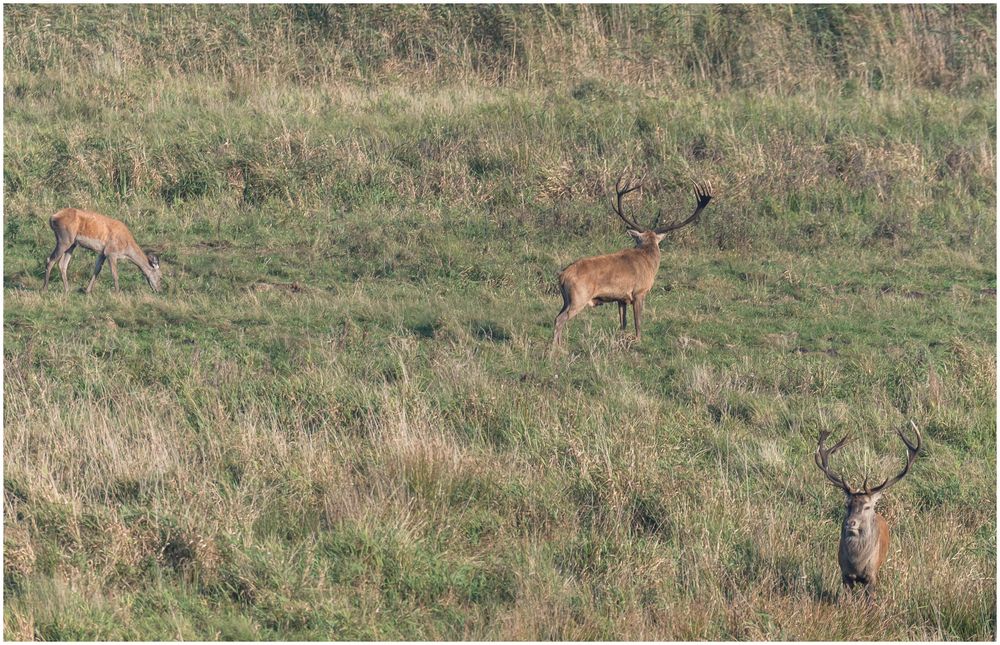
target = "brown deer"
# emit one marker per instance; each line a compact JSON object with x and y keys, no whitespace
{"x":109,"y":238}
{"x":864,"y":536}
{"x":623,"y":277}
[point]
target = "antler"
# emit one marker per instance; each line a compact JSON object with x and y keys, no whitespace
{"x":704,"y":194}
{"x":822,"y":458}
{"x":911,"y":455}
{"x":622,"y":191}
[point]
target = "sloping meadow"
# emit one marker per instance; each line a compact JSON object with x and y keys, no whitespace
{"x":343,"y":420}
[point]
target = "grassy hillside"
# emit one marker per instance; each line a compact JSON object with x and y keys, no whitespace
{"x":342,"y":418}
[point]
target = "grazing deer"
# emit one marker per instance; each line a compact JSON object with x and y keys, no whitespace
{"x":623,"y":277}
{"x":864,"y":536}
{"x":109,"y":238}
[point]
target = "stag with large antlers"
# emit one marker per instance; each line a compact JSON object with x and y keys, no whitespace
{"x":624,"y":277}
{"x":864,"y":536}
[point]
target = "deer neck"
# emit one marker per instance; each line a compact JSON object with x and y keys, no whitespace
{"x":650,"y":251}
{"x":138,"y":258}
{"x":859,"y":547}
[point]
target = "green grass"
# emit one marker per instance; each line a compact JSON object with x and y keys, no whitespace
{"x":343,"y":418}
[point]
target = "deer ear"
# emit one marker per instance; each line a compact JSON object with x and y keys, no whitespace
{"x":153,"y":260}
{"x":659,"y":237}
{"x":635,"y":234}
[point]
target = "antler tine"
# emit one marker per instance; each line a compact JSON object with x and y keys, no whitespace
{"x":840,"y":444}
{"x":703,"y":190}
{"x":656,"y":222}
{"x":911,"y":456}
{"x":703,"y":193}
{"x":916,"y":431}
{"x":621,"y":192}
{"x":822,"y":458}
{"x":628,"y":188}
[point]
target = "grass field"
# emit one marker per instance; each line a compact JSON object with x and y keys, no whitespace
{"x":342,"y":419}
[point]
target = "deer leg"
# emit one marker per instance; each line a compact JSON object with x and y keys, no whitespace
{"x":55,"y":256}
{"x":854,"y":587}
{"x":847,"y":590}
{"x":569,"y":310}
{"x":114,"y":271}
{"x":64,"y":267}
{"x":48,"y":268}
{"x":623,"y":313}
{"x":562,"y":317}
{"x":561,"y":321}
{"x":97,"y":271}
{"x":636,"y":313}
{"x":870,"y":591}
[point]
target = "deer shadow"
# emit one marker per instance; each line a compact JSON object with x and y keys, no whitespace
{"x":819,"y":592}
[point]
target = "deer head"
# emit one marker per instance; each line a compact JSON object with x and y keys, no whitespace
{"x":152,"y":273}
{"x":861,"y":501}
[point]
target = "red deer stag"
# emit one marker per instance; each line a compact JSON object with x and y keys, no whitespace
{"x":864,"y":536}
{"x":109,"y":238}
{"x":623,"y":277}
